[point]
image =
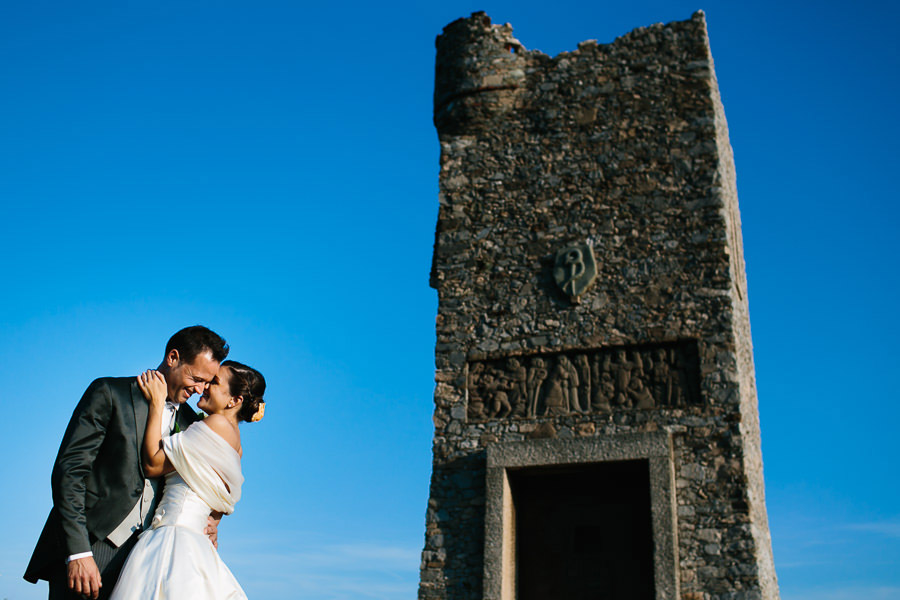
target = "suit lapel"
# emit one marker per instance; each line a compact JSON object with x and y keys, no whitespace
{"x":141,"y":410}
{"x":185,"y":416}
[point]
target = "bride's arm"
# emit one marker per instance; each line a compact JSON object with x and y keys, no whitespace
{"x":155,"y":463}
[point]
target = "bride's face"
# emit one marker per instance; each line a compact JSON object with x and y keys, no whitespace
{"x":217,"y":397}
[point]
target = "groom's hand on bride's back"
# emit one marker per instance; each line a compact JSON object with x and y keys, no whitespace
{"x":212,"y":527}
{"x":84,"y":577}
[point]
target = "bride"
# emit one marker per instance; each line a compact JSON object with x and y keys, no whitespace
{"x":174,"y":558}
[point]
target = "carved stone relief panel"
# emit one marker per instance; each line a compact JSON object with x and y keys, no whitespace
{"x":656,"y":376}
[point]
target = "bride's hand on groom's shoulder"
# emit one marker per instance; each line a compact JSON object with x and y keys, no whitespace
{"x":153,"y":386}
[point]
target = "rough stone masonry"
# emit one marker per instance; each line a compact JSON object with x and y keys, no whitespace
{"x":592,"y":306}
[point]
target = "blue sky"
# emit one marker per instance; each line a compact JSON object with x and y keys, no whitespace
{"x":270,"y":170}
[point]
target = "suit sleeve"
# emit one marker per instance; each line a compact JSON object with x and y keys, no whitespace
{"x":80,"y":444}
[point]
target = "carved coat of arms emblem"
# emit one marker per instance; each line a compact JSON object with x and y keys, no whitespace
{"x":574,"y":270}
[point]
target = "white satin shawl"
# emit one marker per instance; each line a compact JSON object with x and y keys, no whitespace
{"x":208,"y":464}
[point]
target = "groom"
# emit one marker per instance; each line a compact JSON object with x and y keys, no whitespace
{"x":101,"y":499}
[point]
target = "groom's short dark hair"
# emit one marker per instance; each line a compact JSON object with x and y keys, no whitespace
{"x":195,"y":340}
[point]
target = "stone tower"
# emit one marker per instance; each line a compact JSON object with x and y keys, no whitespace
{"x":596,"y":425}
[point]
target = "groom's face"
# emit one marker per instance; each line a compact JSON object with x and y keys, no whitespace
{"x":186,"y":379}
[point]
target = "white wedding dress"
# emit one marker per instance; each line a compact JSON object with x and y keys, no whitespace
{"x":174,"y":559}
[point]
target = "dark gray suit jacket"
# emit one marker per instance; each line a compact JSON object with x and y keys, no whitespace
{"x":97,"y":477}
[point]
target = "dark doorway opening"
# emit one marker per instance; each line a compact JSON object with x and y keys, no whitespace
{"x":583,"y":532}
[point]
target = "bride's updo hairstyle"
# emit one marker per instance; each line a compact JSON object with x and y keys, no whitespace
{"x":251,"y":385}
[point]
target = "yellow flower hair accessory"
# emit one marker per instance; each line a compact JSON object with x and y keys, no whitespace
{"x":260,"y":412}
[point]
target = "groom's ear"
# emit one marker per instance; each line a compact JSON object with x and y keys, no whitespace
{"x":172,"y":357}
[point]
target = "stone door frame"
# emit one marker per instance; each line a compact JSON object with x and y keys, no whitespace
{"x":499,"y":521}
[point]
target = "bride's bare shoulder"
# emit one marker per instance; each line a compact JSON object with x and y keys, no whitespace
{"x":221,"y":426}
